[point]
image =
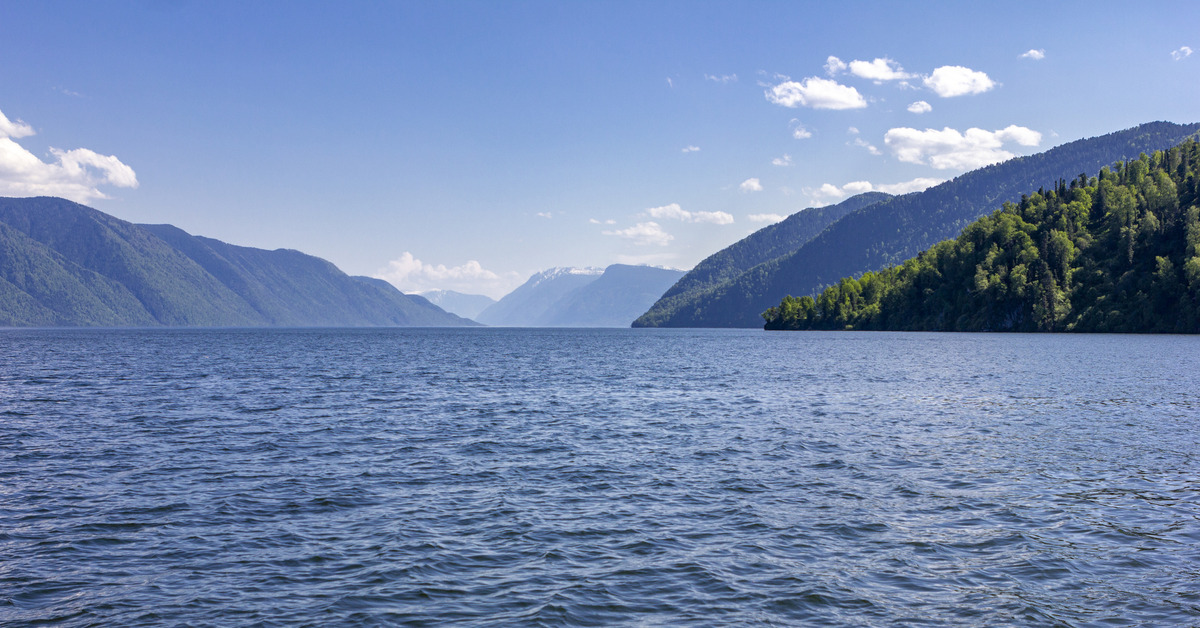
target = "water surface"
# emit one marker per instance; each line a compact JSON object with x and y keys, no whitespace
{"x":483,"y":477}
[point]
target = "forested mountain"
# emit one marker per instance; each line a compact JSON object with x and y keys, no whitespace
{"x":581,"y":297}
{"x":465,"y":305}
{"x":64,"y":264}
{"x":893,"y":230}
{"x":1119,"y":252}
{"x":763,"y":245}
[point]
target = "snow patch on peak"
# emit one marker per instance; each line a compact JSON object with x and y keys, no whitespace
{"x":562,"y":271}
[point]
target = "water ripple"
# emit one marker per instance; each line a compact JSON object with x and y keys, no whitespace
{"x":601,"y":477}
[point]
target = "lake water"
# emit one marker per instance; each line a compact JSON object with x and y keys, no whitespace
{"x":483,"y":477}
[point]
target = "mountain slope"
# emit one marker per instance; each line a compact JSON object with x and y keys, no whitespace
{"x":1119,"y":252}
{"x":289,"y":288}
{"x":894,"y":230}
{"x":530,"y":305}
{"x":761,"y":246}
{"x":614,"y":299}
{"x":170,"y":288}
{"x":62,"y":263}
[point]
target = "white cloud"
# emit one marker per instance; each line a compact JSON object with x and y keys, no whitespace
{"x":829,"y":192}
{"x":17,"y":129}
{"x":955,"y":80}
{"x":723,"y":78}
{"x":852,"y":130}
{"x":75,"y":174}
{"x":857,"y":187}
{"x":817,"y":93}
{"x":768,"y":218}
{"x":920,"y":107}
{"x":1037,"y":54}
{"x":834,"y":65}
{"x":1183,"y":53}
{"x":643,"y":233}
{"x":826,"y":193}
{"x":949,"y":149}
{"x":799,"y":131}
{"x":879,"y":70}
{"x":904,"y":187}
{"x":546,"y":215}
{"x":675,"y":212}
{"x":670,"y":83}
{"x":786,"y":160}
{"x":410,"y":274}
{"x":751,"y":185}
{"x":672,"y":212}
{"x":691,"y":149}
{"x":598,"y":222}
{"x":871,"y":148}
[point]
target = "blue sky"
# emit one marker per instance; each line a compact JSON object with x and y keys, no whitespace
{"x":466,"y":145}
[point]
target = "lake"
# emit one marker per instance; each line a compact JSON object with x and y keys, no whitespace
{"x":482,"y":477}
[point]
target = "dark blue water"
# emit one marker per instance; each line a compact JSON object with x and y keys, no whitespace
{"x":488,"y":477}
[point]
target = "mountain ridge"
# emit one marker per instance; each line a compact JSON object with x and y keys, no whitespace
{"x":890,"y":231}
{"x":762,"y":245}
{"x":581,"y":297}
{"x":1117,"y":252}
{"x":65,"y":264}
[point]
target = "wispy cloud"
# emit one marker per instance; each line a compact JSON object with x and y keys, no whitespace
{"x":861,"y":143}
{"x":1036,"y":54}
{"x":76,"y":174}
{"x":546,"y":215}
{"x":1182,"y":53}
{"x":691,"y":149}
{"x":816,"y":93}
{"x":949,"y":149}
{"x":644,"y":234}
{"x":675,"y":212}
{"x":785,"y":160}
{"x":751,"y":185}
{"x":721,"y":78}
{"x":767,"y":218}
{"x":955,"y":80}
{"x":829,"y":192}
{"x":605,"y":222}
{"x":799,"y":131}
{"x":834,"y":66}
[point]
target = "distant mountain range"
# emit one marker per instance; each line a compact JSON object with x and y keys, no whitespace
{"x":885,"y":232}
{"x":64,"y":264}
{"x":464,"y":305}
{"x":581,"y":297}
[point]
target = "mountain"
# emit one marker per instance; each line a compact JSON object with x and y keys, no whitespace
{"x":64,"y":264}
{"x":581,"y":297}
{"x":761,"y":246}
{"x":614,"y":299}
{"x":893,"y":230}
{"x":1119,"y":252}
{"x":531,"y":304}
{"x":465,"y":305}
